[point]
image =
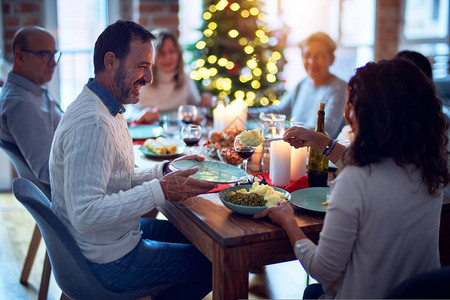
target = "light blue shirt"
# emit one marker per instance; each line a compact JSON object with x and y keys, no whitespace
{"x":29,"y":117}
{"x":302,"y":102}
{"x":113,"y":105}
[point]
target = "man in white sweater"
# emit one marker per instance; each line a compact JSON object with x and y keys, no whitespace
{"x":100,"y":196}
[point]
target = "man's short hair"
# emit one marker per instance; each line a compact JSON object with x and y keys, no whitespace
{"x":20,"y":40}
{"x":321,"y":37}
{"x":116,"y":38}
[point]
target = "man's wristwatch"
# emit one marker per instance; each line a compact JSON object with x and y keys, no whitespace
{"x":165,"y":168}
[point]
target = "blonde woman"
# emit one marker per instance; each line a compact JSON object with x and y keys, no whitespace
{"x":171,"y":85}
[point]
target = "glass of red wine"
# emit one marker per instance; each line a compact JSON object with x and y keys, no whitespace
{"x":191,"y":135}
{"x":244,"y":151}
{"x":187,"y":114}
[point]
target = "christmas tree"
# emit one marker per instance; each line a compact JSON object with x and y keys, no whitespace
{"x":238,"y":55}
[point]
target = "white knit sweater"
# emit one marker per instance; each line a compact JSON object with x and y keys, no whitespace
{"x":96,"y":191}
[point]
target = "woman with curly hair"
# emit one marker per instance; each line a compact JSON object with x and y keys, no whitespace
{"x":382,"y":221}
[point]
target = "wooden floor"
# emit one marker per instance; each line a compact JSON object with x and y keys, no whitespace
{"x":278,"y":281}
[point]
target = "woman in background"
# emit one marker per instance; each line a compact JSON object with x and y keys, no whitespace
{"x":171,"y":85}
{"x":382,"y":221}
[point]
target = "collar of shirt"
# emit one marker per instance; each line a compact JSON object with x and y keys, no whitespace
{"x":26,"y":84}
{"x":113,"y":105}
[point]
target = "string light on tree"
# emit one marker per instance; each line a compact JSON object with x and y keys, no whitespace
{"x":238,"y":55}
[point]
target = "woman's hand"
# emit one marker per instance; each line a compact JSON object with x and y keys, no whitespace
{"x":282,"y":214}
{"x":302,"y":137}
{"x":149,"y":115}
{"x":206,"y":100}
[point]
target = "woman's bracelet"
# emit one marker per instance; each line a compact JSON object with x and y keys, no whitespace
{"x":329,"y":147}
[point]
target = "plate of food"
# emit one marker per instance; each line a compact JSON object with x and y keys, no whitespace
{"x":139,"y":132}
{"x":313,"y":199}
{"x":212,"y":171}
{"x":161,"y":148}
{"x":218,"y":140}
{"x":251,"y":199}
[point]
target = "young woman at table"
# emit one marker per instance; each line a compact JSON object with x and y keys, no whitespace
{"x":382,"y":221}
{"x":171,"y":86}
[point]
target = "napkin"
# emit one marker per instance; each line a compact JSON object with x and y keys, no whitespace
{"x":219,"y":188}
{"x":139,"y":142}
{"x":298,"y":184}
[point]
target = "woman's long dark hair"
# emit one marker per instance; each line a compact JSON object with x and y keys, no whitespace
{"x":399,"y":116}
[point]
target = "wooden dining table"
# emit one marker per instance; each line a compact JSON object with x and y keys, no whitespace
{"x":234,"y":243}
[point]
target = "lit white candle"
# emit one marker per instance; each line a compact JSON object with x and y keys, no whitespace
{"x":219,"y":117}
{"x":280,"y":163}
{"x":298,"y":162}
{"x":228,"y":116}
{"x":242,"y":109}
{"x":235,"y":114}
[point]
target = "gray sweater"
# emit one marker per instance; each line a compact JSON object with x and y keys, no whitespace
{"x":381,"y":227}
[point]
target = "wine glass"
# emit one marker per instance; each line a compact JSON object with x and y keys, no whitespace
{"x":191,"y":135}
{"x":187,"y":114}
{"x":244,"y":151}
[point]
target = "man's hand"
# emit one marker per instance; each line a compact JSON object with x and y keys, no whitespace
{"x":186,"y":157}
{"x":178,"y":186}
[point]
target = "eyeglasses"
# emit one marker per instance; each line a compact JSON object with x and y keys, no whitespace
{"x":47,"y":56}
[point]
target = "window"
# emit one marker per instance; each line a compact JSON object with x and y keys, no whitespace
{"x":426,"y":19}
{"x":426,"y":30}
{"x":350,"y":22}
{"x":79,"y":24}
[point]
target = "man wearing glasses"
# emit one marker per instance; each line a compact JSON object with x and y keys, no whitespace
{"x":29,"y":114}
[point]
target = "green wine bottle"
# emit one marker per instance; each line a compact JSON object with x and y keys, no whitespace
{"x":318,"y":163}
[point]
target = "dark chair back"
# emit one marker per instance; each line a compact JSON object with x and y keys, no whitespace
{"x":22,"y":167}
{"x":70,"y":268}
{"x":429,"y":285}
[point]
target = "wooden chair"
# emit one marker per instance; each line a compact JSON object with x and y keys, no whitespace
{"x":24,"y":170}
{"x":70,"y":267}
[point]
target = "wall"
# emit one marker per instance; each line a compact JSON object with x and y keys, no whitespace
{"x":159,"y":13}
{"x":387,"y":28}
{"x":19,"y":13}
{"x":149,"y":13}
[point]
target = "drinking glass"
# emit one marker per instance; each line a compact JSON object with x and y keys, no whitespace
{"x":191,"y":135}
{"x":187,"y":114}
{"x":244,"y":151}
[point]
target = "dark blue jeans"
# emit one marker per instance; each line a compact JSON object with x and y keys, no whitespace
{"x":163,"y":256}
